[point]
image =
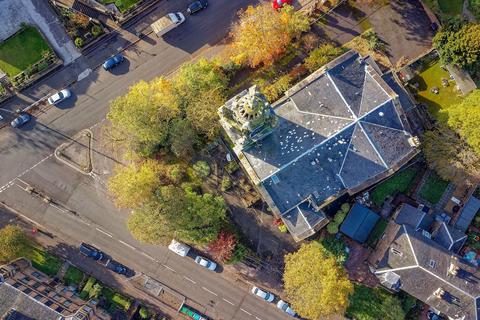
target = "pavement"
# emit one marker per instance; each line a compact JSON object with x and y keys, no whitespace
{"x":80,"y":207}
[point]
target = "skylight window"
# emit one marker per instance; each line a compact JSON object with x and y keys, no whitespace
{"x":432,"y":263}
{"x":275,"y":179}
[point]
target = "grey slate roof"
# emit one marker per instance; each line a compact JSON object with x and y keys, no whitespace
{"x":468,"y":213}
{"x":450,"y":238}
{"x":25,"y":306}
{"x":413,"y":217}
{"x":336,"y":132}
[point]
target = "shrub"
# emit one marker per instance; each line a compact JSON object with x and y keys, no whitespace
{"x":332,"y":227}
{"x":79,"y":42}
{"x":80,"y":20}
{"x":143,"y":313}
{"x":276,"y":89}
{"x":121,"y":301}
{"x":231,"y":167}
{"x":202,"y":169}
{"x":86,"y":289}
{"x":283,"y":228}
{"x":223,"y":247}
{"x":94,"y":293}
{"x":321,"y":56}
{"x":339,"y":217}
{"x":226,"y":183}
{"x":96,"y":30}
{"x":336,"y":248}
{"x":177,"y":173}
{"x":345,"y":207}
{"x":238,"y":254}
{"x":373,"y":41}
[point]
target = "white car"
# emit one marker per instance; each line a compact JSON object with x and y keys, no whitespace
{"x":59,"y":96}
{"x":265,"y":295}
{"x":282,"y":305}
{"x":207,"y":264}
{"x":179,"y":248}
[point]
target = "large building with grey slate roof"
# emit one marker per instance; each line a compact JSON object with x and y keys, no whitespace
{"x":340,"y":130}
{"x":418,"y":254}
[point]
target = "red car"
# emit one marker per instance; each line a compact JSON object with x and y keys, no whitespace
{"x":277,"y":4}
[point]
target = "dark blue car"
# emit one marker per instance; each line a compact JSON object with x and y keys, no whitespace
{"x":196,"y":6}
{"x":90,"y":251}
{"x":113,"y":61}
{"x":119,"y":268}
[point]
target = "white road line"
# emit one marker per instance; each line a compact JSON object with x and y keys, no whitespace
{"x":9,"y":184}
{"x":173,"y":270}
{"x":126,"y":244}
{"x":229,"y":302}
{"x":246,"y":311}
{"x":187,"y":278}
{"x":257,"y":318}
{"x":105,"y":233}
{"x":149,"y":257}
{"x":209,"y":291}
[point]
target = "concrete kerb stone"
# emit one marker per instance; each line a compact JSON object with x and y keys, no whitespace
{"x":87,"y":170}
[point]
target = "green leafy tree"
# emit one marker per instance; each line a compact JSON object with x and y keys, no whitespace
{"x":464,"y":118}
{"x":262,"y":35}
{"x":450,"y":156}
{"x":321,"y":56}
{"x":13,"y":243}
{"x":188,"y":216}
{"x":182,"y":138}
{"x":332,"y":227}
{"x":373,"y":304}
{"x":459,"y":45}
{"x":202,"y":113}
{"x":315,"y":284}
{"x":143,"y":313}
{"x":141,"y":119}
{"x":202,"y":169}
{"x":134,"y":184}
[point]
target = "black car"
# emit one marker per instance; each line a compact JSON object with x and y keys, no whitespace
{"x":119,"y":268}
{"x":91,"y":251}
{"x":196,"y":6}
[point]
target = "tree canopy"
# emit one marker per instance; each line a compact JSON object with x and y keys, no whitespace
{"x":134,"y":184}
{"x":141,"y":118}
{"x":321,"y":56}
{"x":13,"y":243}
{"x":464,"y":118}
{"x":315,"y":284}
{"x":172,"y":211}
{"x":459,"y":44}
{"x":450,"y":156}
{"x":261,"y":35}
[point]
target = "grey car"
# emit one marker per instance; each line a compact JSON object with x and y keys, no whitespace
{"x":20,"y":120}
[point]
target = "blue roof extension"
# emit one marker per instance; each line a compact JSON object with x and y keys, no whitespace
{"x":359,"y":222}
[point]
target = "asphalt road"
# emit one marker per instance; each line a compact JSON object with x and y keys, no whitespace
{"x":26,"y":158}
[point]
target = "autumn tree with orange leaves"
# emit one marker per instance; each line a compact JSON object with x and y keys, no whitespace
{"x":222,"y":248}
{"x":262,"y":34}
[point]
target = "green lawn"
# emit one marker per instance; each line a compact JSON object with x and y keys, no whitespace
{"x":21,"y":50}
{"x":373,"y":304}
{"x":116,"y":299}
{"x":44,"y":261}
{"x":122,"y":5}
{"x":433,"y":189}
{"x":400,"y":182}
{"x":432,"y":77}
{"x":73,"y":276}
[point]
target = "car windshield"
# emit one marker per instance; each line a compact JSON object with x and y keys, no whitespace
{"x":60,"y":95}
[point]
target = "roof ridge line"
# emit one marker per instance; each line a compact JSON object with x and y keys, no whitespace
{"x":363,"y":90}
{"x":410,"y":243}
{"x":373,"y":146}
{"x":341,"y":95}
{"x":379,"y":125}
{"x":321,"y":114}
{"x":397,"y":269}
{"x":449,"y":283}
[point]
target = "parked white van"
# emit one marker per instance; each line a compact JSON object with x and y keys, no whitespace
{"x":179,"y":248}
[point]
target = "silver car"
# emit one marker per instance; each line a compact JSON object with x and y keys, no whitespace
{"x":264,"y":295}
{"x":59,"y":96}
{"x":207,"y":264}
{"x":282,"y":305}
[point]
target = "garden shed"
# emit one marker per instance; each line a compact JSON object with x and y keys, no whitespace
{"x":359,"y":222}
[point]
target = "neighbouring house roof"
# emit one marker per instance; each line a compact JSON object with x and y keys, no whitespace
{"x":359,"y":222}
{"x":339,"y":130}
{"x":450,"y":238}
{"x":468,"y":213}
{"x":422,"y":266}
{"x":414,"y":217}
{"x":14,"y":305}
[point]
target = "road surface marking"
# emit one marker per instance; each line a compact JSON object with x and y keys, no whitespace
{"x":187,"y":278}
{"x":257,"y":318}
{"x":168,"y":268}
{"x":9,"y":184}
{"x":105,"y":233}
{"x":146,"y":255}
{"x":209,"y":291}
{"x":229,"y":302}
{"x":126,"y":244}
{"x":246,"y":311}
